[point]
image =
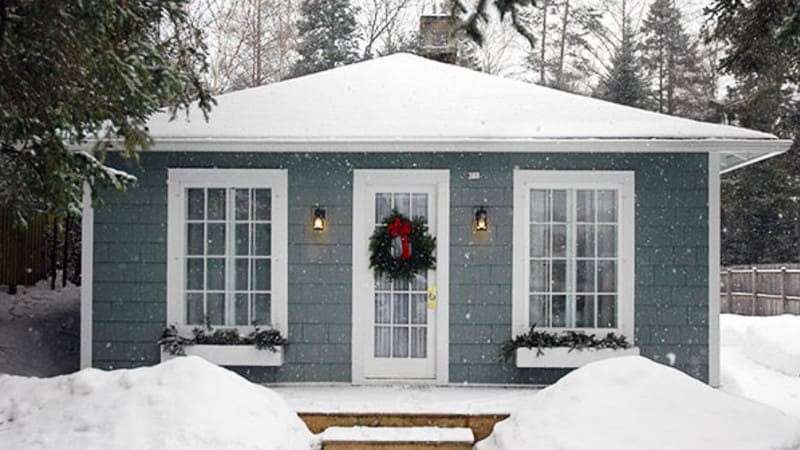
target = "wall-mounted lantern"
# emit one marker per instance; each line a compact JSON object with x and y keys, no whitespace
{"x":481,"y":219}
{"x":318,"y":222}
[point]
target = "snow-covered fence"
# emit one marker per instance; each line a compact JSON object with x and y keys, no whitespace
{"x":764,"y":290}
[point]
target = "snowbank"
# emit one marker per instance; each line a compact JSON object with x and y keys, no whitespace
{"x":632,"y":403}
{"x":774,"y":342}
{"x":755,"y":355}
{"x":185,"y":403}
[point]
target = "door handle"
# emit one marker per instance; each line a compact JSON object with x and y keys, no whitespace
{"x":433,"y":297}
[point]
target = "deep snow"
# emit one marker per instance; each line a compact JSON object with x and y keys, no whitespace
{"x":633,"y":403}
{"x":185,"y":403}
{"x":40,"y":330}
{"x":759,"y":359}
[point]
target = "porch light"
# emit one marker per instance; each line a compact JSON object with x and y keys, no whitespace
{"x":481,"y":219}
{"x":318,"y":223}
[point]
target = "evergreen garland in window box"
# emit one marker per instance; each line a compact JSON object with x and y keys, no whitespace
{"x":263,"y":339}
{"x":571,"y":340}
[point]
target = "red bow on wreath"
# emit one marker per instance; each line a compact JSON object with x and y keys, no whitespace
{"x":401,"y":229}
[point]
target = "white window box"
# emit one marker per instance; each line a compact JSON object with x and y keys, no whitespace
{"x":561,"y":357}
{"x":233,"y":355}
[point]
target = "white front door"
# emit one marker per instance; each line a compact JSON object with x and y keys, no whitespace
{"x":397,"y":323}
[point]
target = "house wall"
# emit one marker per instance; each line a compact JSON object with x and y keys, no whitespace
{"x":129,"y":303}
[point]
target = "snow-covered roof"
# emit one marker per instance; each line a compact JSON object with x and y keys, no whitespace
{"x":404,"y":98}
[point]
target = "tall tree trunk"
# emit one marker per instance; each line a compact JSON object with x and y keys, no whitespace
{"x":564,"y":20}
{"x":544,"y":42}
{"x":65,"y":253}
{"x":257,"y":43}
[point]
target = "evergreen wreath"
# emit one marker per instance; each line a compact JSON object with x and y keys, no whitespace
{"x":402,"y":247}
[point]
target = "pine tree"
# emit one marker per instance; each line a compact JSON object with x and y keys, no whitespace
{"x":328,"y":36}
{"x":671,"y":60}
{"x":624,"y":82}
{"x":760,"y":206}
{"x":73,"y":70}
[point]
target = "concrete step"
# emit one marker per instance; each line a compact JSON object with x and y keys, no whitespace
{"x":480,"y":424}
{"x":394,"y":438}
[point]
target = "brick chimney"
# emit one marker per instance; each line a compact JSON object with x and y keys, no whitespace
{"x":436,"y":36}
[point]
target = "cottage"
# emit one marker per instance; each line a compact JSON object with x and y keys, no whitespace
{"x":539,"y":207}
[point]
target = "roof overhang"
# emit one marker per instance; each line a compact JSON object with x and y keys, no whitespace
{"x":734,"y":153}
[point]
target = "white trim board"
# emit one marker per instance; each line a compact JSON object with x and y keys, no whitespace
{"x":625,"y":183}
{"x":714,"y":236}
{"x":87,"y":272}
{"x":177,"y":182}
{"x":440,"y":179}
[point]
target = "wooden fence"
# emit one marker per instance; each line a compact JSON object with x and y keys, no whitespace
{"x":39,"y":251}
{"x":764,"y":290}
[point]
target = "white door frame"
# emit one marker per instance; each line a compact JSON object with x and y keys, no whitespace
{"x":440,"y":179}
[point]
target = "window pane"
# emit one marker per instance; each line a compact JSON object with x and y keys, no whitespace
{"x":242,"y":204}
{"x":559,"y":206}
{"x":584,"y":208}
{"x":383,"y":283}
{"x":584,"y":241}
{"x":262,"y":274}
{"x":241,"y":274}
{"x":607,"y":276}
{"x":240,"y":315}
{"x":584,"y":276}
{"x":607,"y":311}
{"x":262,"y":309}
{"x":194,"y":239}
{"x":419,"y":308}
{"x":194,"y":309}
{"x":606,"y":241}
{"x":216,"y":204}
{"x":538,"y":311}
{"x":540,"y":240}
{"x":559,"y":283}
{"x":559,"y":308}
{"x":194,"y":274}
{"x":584,"y":311}
{"x":216,"y":238}
{"x":419,"y":282}
{"x":242,"y":239}
{"x":419,"y":206}
{"x":540,"y":276}
{"x":559,"y":240}
{"x":216,"y":274}
{"x":263,"y":245}
{"x":383,"y":308}
{"x":607,"y":206}
{"x":383,"y":342}
{"x":383,"y":206}
{"x":216,"y":309}
{"x":539,"y":210}
{"x":196,"y":204}
{"x":263,"y":204}
{"x":400,"y":313}
{"x":402,"y":203}
{"x":419,"y":342}
{"x":400,"y":342}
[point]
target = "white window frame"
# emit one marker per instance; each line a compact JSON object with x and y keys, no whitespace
{"x":624,"y":182}
{"x":179,"y":180}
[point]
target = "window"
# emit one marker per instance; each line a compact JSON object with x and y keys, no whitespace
{"x":227,"y":245}
{"x":573,"y":250}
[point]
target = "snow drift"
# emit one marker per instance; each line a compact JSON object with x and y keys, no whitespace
{"x":773,"y":342}
{"x":185,"y":403}
{"x":632,"y":403}
{"x":757,"y":356}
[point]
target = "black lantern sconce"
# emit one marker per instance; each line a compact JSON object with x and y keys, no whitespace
{"x":318,"y":222}
{"x":481,"y":219}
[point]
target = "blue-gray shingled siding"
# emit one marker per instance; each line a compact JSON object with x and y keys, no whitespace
{"x":671,"y":259}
